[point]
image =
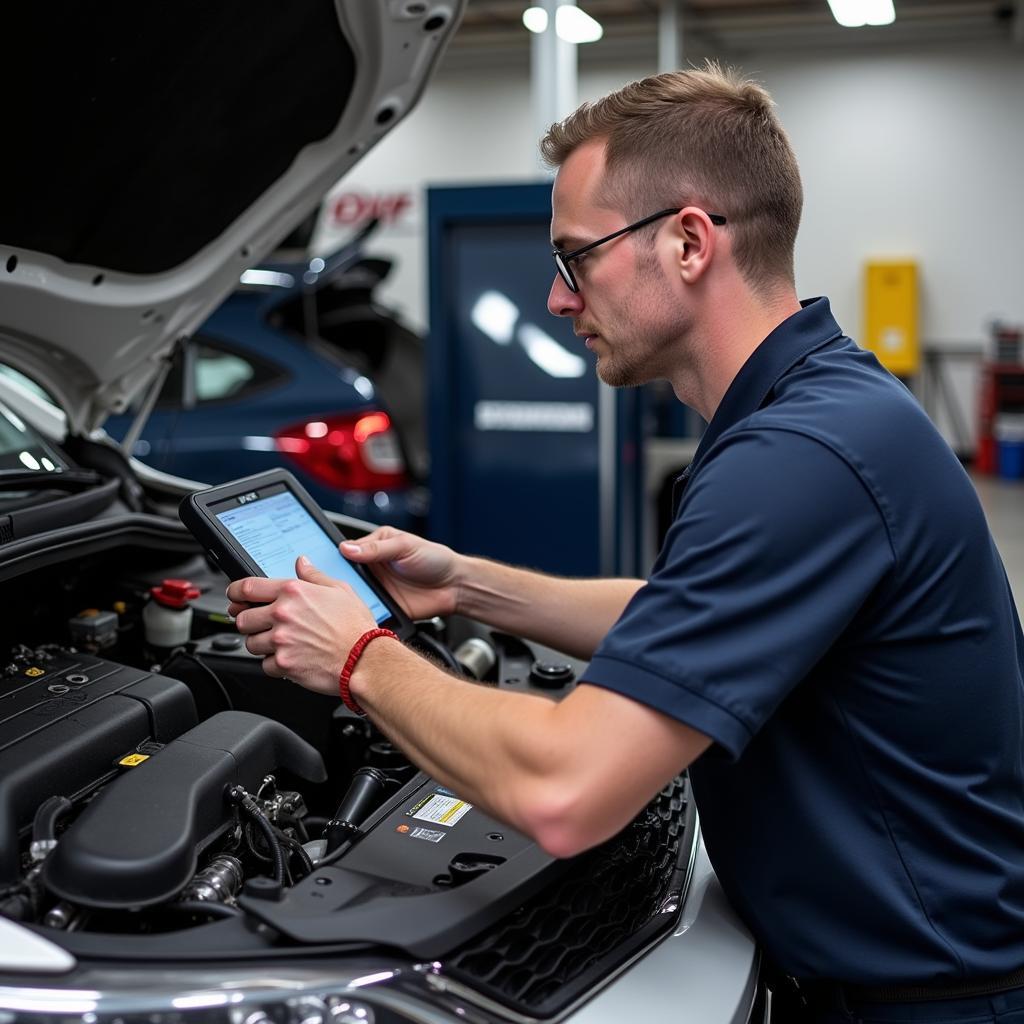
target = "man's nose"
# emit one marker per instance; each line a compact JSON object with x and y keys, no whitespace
{"x":562,"y":300}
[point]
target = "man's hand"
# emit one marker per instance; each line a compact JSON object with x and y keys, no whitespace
{"x":419,"y":574}
{"x":302,"y":628}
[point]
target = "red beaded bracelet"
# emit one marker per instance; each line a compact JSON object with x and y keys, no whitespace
{"x":345,"y":679}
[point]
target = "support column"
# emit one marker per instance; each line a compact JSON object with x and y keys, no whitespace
{"x":553,"y":72}
{"x":670,"y":36}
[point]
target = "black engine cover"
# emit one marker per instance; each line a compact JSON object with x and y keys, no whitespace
{"x":138,"y":842}
{"x":431,"y":872}
{"x":65,"y":721}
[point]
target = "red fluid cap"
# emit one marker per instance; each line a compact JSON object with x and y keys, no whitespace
{"x":175,"y":593}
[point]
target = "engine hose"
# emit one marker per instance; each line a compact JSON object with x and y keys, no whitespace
{"x":297,"y":849}
{"x":439,"y":650}
{"x":251,"y":842}
{"x":238,"y":796}
{"x":294,"y":847}
{"x":330,"y":858}
{"x":50,"y":811}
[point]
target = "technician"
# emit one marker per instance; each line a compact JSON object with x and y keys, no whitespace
{"x":827,"y":639}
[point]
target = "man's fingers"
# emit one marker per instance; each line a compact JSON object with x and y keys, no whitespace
{"x":306,"y":570}
{"x":260,"y":643}
{"x":376,"y":549}
{"x":254,"y":590}
{"x":255,"y":619}
{"x":270,"y":667}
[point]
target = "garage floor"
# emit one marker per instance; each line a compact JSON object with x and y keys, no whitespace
{"x":1003,"y":501}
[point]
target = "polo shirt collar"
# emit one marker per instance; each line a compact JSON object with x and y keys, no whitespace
{"x":797,"y":336}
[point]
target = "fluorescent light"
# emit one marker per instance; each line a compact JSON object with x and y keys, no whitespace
{"x":857,"y":13}
{"x":576,"y":26}
{"x":571,"y":24}
{"x":536,"y":19}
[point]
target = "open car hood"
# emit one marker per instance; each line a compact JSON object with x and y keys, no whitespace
{"x":155,"y":151}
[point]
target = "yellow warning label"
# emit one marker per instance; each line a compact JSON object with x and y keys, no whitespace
{"x":458,"y":808}
{"x":133,"y":759}
{"x":33,"y":672}
{"x":441,"y":809}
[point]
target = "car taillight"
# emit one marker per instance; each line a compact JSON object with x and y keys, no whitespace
{"x":356,"y":452}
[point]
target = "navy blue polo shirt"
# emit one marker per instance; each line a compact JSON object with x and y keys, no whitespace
{"x":830,"y":609}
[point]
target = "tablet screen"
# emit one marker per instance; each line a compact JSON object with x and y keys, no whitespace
{"x":276,"y":529}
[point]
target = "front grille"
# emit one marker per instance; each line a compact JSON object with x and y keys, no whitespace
{"x":605,"y":908}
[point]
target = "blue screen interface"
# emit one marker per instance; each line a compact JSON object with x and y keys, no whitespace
{"x":277,"y":529}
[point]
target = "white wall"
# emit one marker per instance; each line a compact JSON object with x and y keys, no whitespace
{"x":918,"y":155}
{"x":903,"y":154}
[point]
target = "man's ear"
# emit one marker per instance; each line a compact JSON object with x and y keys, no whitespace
{"x":696,"y":240}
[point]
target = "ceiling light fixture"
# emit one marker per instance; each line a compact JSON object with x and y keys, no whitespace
{"x":571,"y":24}
{"x":536,"y":19}
{"x":857,"y":13}
{"x":576,"y":26}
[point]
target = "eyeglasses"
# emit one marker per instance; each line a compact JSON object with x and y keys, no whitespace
{"x":563,"y":260}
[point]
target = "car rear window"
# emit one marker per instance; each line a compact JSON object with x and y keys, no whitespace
{"x":221,"y":374}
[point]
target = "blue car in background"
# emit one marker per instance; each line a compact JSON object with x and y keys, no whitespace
{"x":301,"y":368}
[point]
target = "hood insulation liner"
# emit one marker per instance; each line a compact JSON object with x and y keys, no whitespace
{"x":214,"y":99}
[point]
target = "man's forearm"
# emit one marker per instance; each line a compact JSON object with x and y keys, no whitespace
{"x":485,"y":744}
{"x":567,"y":614}
{"x":553,"y":771}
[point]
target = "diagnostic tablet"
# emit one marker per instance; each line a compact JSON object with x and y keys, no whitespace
{"x":259,"y":525}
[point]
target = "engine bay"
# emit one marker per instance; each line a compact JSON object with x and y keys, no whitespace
{"x":149,"y":791}
{"x":174,"y":803}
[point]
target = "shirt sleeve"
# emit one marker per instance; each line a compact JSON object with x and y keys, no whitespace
{"x":775,"y":546}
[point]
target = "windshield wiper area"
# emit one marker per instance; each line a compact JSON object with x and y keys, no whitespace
{"x":31,"y":480}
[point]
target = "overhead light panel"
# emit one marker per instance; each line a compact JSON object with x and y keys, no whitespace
{"x":536,"y":19}
{"x":576,"y":26}
{"x":571,"y":24}
{"x":857,"y":13}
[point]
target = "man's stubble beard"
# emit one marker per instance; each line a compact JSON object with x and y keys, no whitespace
{"x":620,"y":372}
{"x":634,"y":361}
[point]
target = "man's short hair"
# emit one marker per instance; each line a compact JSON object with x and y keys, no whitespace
{"x":708,"y":137}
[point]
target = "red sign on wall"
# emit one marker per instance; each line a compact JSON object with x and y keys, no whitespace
{"x":350,"y":208}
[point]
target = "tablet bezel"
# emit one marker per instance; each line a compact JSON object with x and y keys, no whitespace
{"x":196,"y":513}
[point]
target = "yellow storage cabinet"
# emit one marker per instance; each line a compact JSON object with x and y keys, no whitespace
{"x":891,"y":315}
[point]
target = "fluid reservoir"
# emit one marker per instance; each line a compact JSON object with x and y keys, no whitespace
{"x":167,"y":618}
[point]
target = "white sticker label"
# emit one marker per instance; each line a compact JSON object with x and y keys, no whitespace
{"x":440,"y":809}
{"x":547,"y":417}
{"x":427,"y":833}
